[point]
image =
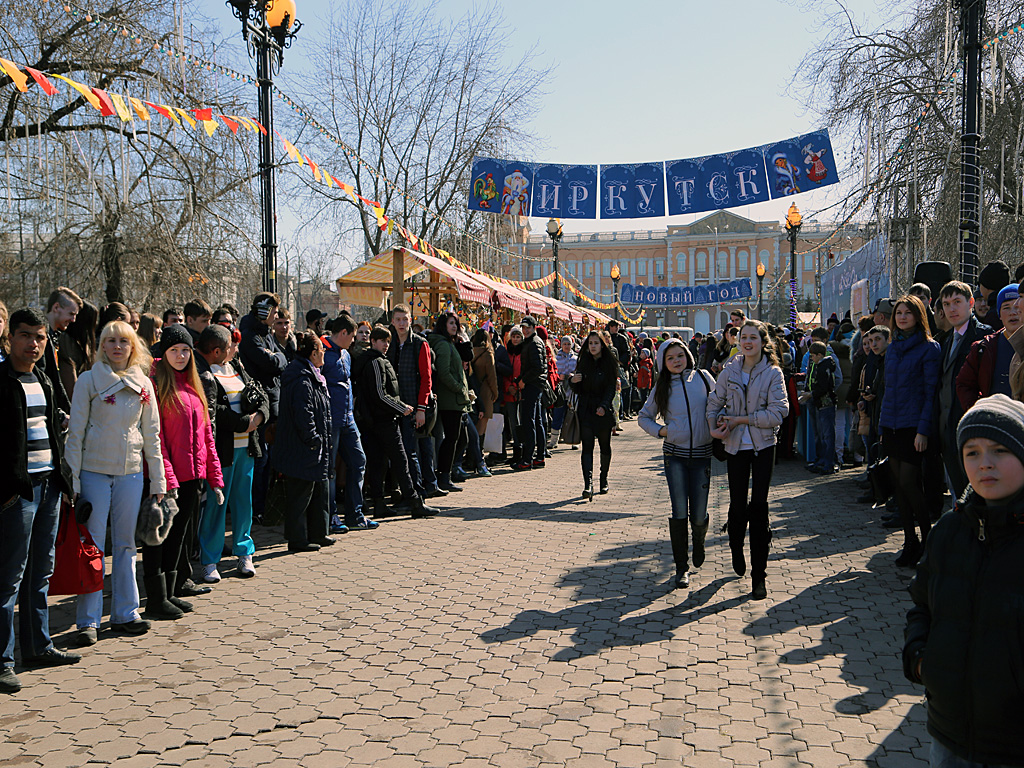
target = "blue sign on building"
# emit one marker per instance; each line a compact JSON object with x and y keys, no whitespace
{"x":655,"y":296}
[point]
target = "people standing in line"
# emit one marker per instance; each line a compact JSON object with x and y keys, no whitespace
{"x":487,"y":381}
{"x":565,"y":363}
{"x":986,"y":371}
{"x":114,"y":432}
{"x":745,"y":411}
{"x":912,"y":363}
{"x":679,"y":401}
{"x":410,"y":356}
{"x":962,"y":637}
{"x":378,"y":408}
{"x":533,"y":383}
{"x":302,"y":447}
{"x":264,"y":360}
{"x":62,"y":308}
{"x":511,"y":391}
{"x":594,"y":384}
{"x":198,"y":315}
{"x":235,"y":423}
{"x":315,"y":321}
{"x":624,"y":354}
{"x":453,"y":395}
{"x":345,"y":440}
{"x":821,"y":394}
{"x":172,"y":316}
{"x":32,"y":479}
{"x":190,"y":460}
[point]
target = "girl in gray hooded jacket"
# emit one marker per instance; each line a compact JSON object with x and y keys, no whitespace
{"x":679,"y":399}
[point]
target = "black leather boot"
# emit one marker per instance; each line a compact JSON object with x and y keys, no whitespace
{"x":158,"y":607}
{"x":177,"y":602}
{"x":677,"y":533}
{"x":700,"y":533}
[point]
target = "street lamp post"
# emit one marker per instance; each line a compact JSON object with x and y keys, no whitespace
{"x":760,"y":290}
{"x":615,"y":283}
{"x":555,"y":233}
{"x":793,"y":222}
{"x":268,"y":26}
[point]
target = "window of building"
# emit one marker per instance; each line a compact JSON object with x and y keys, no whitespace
{"x":681,"y":265}
{"x":641,"y":269}
{"x":702,"y":262}
{"x":590,"y":270}
{"x":809,"y":262}
{"x":659,"y":268}
{"x":606,"y":269}
{"x":723,"y":264}
{"x":744,"y":266}
{"x":536,"y":270}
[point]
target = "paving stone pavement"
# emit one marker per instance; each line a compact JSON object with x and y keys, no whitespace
{"x":523,"y":627}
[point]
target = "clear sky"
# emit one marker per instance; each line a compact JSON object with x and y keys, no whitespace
{"x":653,"y":80}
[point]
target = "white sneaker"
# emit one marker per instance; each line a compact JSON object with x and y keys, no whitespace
{"x":210,"y":575}
{"x":245,"y":567}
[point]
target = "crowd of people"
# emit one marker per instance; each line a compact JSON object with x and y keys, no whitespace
{"x":210,"y":415}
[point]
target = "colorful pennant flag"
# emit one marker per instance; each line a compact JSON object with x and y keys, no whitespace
{"x":19,"y":78}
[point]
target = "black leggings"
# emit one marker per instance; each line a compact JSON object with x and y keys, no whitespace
{"x":755,"y":511}
{"x":451,"y":422}
{"x":604,"y":438}
{"x":172,"y":555}
{"x":907,"y":467}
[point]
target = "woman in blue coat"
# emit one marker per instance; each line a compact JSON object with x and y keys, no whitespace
{"x":911,"y":378}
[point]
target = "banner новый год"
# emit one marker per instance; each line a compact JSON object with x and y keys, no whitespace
{"x":659,"y":296}
{"x":643,"y":190}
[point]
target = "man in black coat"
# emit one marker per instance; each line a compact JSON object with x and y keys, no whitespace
{"x":957,"y":305}
{"x":533,"y":378}
{"x":33,"y":476}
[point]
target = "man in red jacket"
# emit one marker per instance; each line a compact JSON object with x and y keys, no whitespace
{"x":987,"y":368}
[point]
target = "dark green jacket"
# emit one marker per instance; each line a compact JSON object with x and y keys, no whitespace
{"x":450,"y":384}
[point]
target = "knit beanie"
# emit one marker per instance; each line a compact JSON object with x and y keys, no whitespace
{"x":175,"y":334}
{"x":997,"y":418}
{"x":994,"y":275}
{"x":1008,"y":293}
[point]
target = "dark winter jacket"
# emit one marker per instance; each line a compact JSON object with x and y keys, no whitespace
{"x":450,"y":383}
{"x":262,"y":357}
{"x":911,"y":379}
{"x":14,"y":477}
{"x":596,"y":390}
{"x":535,"y":362}
{"x":337,"y":371}
{"x":621,"y":343}
{"x":302,"y":445}
{"x":948,"y":410}
{"x":376,"y":389}
{"x":823,"y":383}
{"x":978,"y":372}
{"x":966,"y":626}
{"x":227,"y":422}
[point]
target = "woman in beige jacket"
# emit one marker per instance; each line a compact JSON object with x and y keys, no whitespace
{"x":483,"y":367}
{"x":114,"y":429}
{"x":745,"y":410}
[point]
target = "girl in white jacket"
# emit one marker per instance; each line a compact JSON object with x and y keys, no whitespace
{"x":680,"y":398}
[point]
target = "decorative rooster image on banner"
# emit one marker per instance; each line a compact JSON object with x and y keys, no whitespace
{"x":485,"y":190}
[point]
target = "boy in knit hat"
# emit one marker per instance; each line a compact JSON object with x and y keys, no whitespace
{"x":963,"y":636}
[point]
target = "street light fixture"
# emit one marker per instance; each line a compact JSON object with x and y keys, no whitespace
{"x":268,"y":26}
{"x":555,"y":233}
{"x":615,"y":282}
{"x":793,"y":222}
{"x":760,"y":290}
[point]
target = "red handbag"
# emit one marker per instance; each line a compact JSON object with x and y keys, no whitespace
{"x":78,"y":562}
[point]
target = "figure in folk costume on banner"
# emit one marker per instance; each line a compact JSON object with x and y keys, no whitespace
{"x":787,"y":177}
{"x":485,"y":190}
{"x":818,"y":171}
{"x":516,"y":197}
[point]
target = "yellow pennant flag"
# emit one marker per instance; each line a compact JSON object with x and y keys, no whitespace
{"x":245,"y":121}
{"x":20,"y":78}
{"x":186,"y":115}
{"x":210,"y":126}
{"x":379,"y":213}
{"x":140,"y":108}
{"x":120,"y":107}
{"x":170,"y":114}
{"x":87,"y":94}
{"x":329,"y":179}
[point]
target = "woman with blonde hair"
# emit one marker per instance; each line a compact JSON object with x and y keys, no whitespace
{"x":114,"y":432}
{"x":190,"y":460}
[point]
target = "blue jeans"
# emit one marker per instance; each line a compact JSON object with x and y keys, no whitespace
{"x":346,"y":441}
{"x":825,"y":436}
{"x":237,"y":493}
{"x":941,"y":757}
{"x":689,"y":481}
{"x":117,"y":497}
{"x":28,"y":530}
{"x":425,"y":448}
{"x":558,"y":416}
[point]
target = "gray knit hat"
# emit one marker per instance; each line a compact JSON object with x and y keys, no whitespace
{"x":997,"y":418}
{"x":175,"y":334}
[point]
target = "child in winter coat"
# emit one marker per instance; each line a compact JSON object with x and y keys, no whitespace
{"x":963,"y":633}
{"x":645,"y":374}
{"x":822,"y":394}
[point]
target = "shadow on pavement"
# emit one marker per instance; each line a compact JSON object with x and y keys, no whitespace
{"x":572,"y":510}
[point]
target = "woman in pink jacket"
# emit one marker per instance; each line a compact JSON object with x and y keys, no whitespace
{"x":190,"y":459}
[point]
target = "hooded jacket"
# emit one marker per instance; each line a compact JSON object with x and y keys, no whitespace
{"x":115,"y":423}
{"x":186,"y":438}
{"x":965,"y":628}
{"x":378,"y":395}
{"x":262,"y":357}
{"x":686,"y":421}
{"x":337,"y":371}
{"x":911,"y":380}
{"x":302,"y":445}
{"x":764,"y":401}
{"x":450,"y":384}
{"x":823,"y":383}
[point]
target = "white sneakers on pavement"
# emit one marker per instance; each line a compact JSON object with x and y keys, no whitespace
{"x":210,"y":575}
{"x":245,"y":567}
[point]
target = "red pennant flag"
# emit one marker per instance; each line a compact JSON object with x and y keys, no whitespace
{"x":42,"y":81}
{"x":259,"y":125}
{"x":230,"y":124}
{"x":106,"y":103}
{"x":166,"y":113}
{"x":204,"y":114}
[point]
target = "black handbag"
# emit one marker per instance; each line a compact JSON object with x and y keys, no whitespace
{"x":879,"y":476}
{"x":253,"y":397}
{"x":431,"y":417}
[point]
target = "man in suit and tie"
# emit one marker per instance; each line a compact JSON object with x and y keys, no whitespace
{"x":957,"y":304}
